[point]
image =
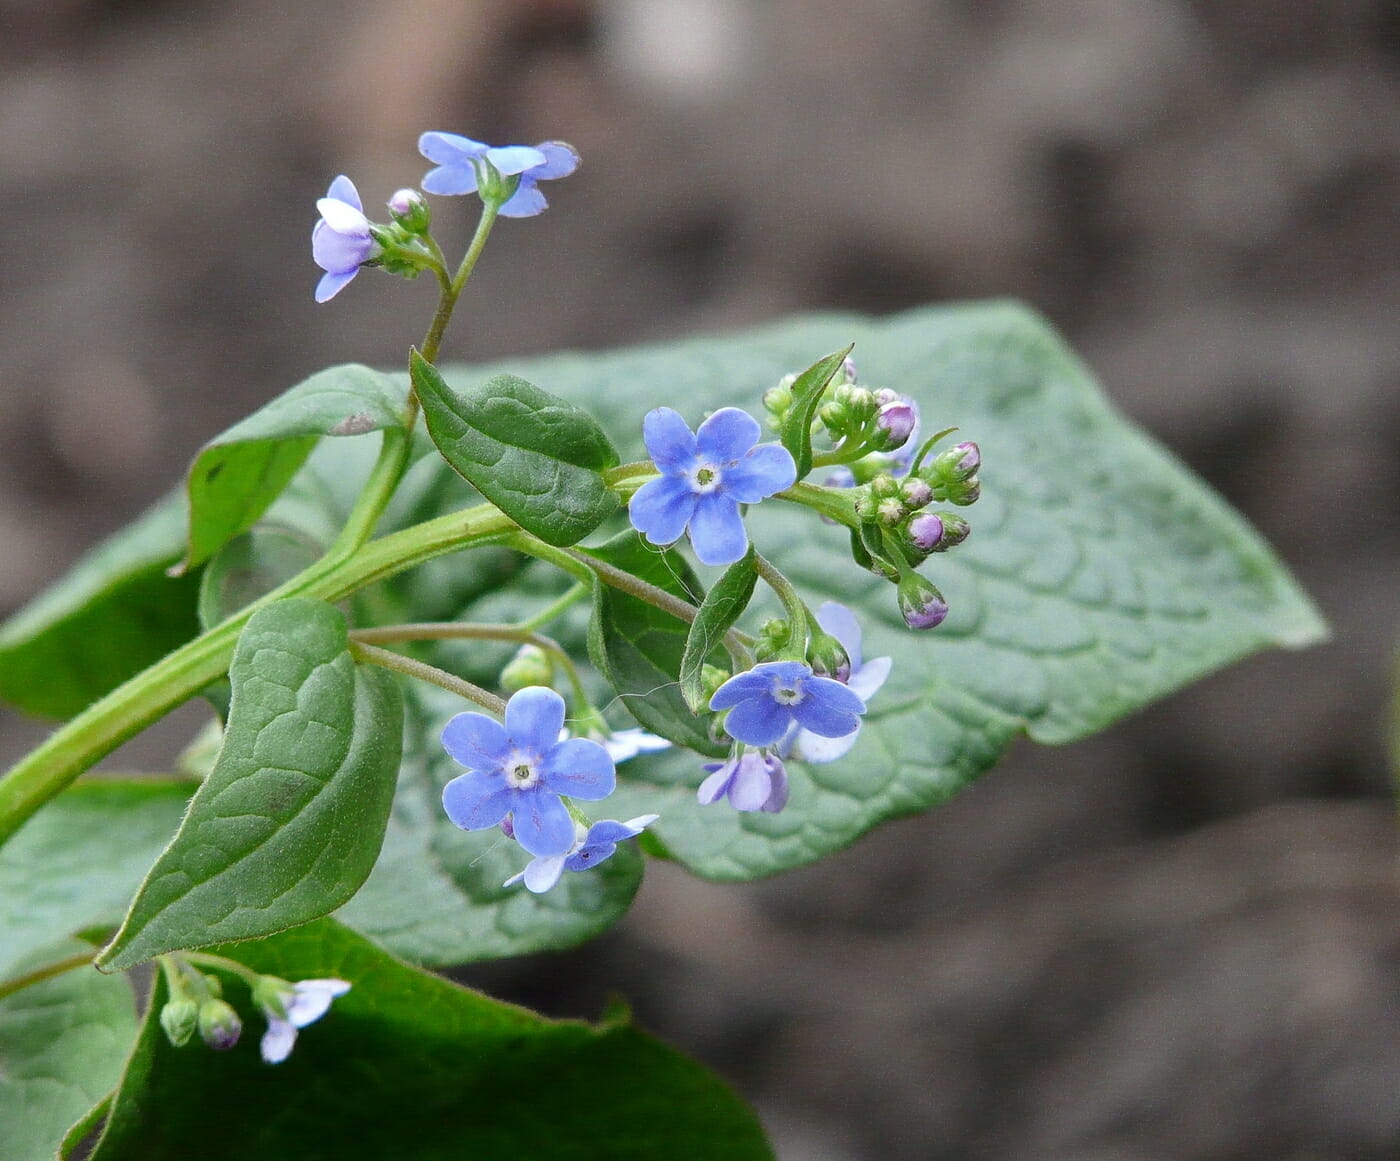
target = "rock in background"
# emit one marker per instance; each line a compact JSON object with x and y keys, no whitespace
{"x":1162,"y":943}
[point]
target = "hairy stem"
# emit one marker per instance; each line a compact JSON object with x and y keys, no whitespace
{"x":398,"y":663}
{"x":47,"y":972}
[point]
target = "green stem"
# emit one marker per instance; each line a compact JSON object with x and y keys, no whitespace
{"x":432,"y":341}
{"x":576,"y":593}
{"x":218,"y":962}
{"x":793,"y":604}
{"x":47,"y":972}
{"x":409,"y":667}
{"x":835,"y":503}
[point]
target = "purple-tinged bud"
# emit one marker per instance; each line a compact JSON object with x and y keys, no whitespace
{"x":965,"y":493}
{"x":507,"y":826}
{"x":921,"y":605}
{"x":971,"y":460}
{"x":219,"y":1025}
{"x":410,"y":209}
{"x":828,"y":657}
{"x":955,"y":530}
{"x":915,"y":492}
{"x":925,"y":532}
{"x":884,"y":396}
{"x":848,"y":369}
{"x":896,"y":422}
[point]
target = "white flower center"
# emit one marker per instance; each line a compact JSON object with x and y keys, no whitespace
{"x":705,"y":477}
{"x":786,"y":695}
{"x":520,"y":771}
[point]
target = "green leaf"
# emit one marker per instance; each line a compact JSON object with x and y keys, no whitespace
{"x":62,"y":1043}
{"x":251,"y":566}
{"x":436,"y":895}
{"x":723,"y":606}
{"x":238,"y":474}
{"x":410,"y":1067}
{"x":290,"y":821}
{"x":807,"y":392}
{"x":536,"y":457}
{"x":1100,"y":574}
{"x":115,"y":613}
{"x":75,"y":864}
{"x":638,"y":648}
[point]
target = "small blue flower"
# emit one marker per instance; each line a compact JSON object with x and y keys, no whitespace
{"x":865,"y":681}
{"x":457,"y":172}
{"x":753,"y":780}
{"x":291,"y":1007}
{"x":340,"y":241}
{"x":764,"y":702}
{"x":591,"y":847}
{"x":705,"y":476}
{"x":521,"y":769}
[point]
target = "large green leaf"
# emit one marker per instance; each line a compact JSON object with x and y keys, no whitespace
{"x":236,"y":475}
{"x":409,"y":1067}
{"x":75,"y":864}
{"x":62,"y":1043}
{"x":1100,"y":575}
{"x":437,"y":896}
{"x":289,"y":822}
{"x":112,"y":615}
{"x":533,"y":455}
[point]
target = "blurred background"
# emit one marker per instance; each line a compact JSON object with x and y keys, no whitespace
{"x":1178,"y":940}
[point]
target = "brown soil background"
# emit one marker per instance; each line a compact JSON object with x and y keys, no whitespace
{"x":1175,"y":941}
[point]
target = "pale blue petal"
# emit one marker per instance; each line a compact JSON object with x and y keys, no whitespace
{"x":450,"y":148}
{"x":670,"y":442}
{"x":727,"y":435}
{"x":509,"y":160}
{"x":525,"y":202}
{"x":560,"y":160}
{"x":841,"y":623}
{"x":475,"y":801}
{"x":534,"y":717}
{"x":542,"y":823}
{"x":450,"y":180}
{"x":338,"y":253}
{"x":813,"y":748}
{"x":717,"y":530}
{"x":759,"y":721}
{"x":777,"y":799}
{"x":717,"y":784}
{"x":277,"y":1041}
{"x":343,"y":190}
{"x":332,"y":284}
{"x":767,"y":469}
{"x":343,"y":218}
{"x":311,"y":999}
{"x":476,"y":741}
{"x":579,"y":768}
{"x":543,"y":873}
{"x":752,"y":784}
{"x":866,"y":683}
{"x":661,"y":508}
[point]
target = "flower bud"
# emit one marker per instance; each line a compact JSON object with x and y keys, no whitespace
{"x":828,"y":656}
{"x":885,"y":487}
{"x":848,"y":369}
{"x":271,"y":995}
{"x":531,"y":665}
{"x":410,"y":209}
{"x":894,"y":424}
{"x":884,"y":396}
{"x":955,"y":530}
{"x":921,"y":605}
{"x":890,"y":511}
{"x":959,"y":462}
{"x":219,"y":1025}
{"x":963,"y":492}
{"x":860,"y":404}
{"x":773,"y":637}
{"x":924,"y":533}
{"x":179,"y":1018}
{"x":915,"y":493}
{"x":711,"y":678}
{"x":778,"y":399}
{"x":834,"y":419}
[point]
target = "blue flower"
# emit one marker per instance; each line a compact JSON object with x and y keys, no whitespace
{"x":521,"y":769}
{"x":752,"y":779}
{"x":865,"y":681}
{"x":291,"y":1007}
{"x":340,"y":241}
{"x":624,"y":744}
{"x":457,"y":172}
{"x":764,"y":702}
{"x":705,"y":476}
{"x":591,"y":847}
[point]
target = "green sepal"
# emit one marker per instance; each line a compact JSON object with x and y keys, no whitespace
{"x":807,"y":392}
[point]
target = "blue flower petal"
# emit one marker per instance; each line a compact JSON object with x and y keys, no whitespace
{"x":841,"y":623}
{"x":670,"y":443}
{"x":755,"y":682}
{"x":525,"y":202}
{"x":534,"y":717}
{"x":542,"y":823}
{"x":509,"y":160}
{"x":590,"y":855}
{"x":752,"y":784}
{"x":727,"y":435}
{"x":476,"y":741}
{"x":716,"y":786}
{"x":661,"y":508}
{"x":450,"y":148}
{"x":717,"y":530}
{"x":579,"y":768}
{"x":759,"y":721}
{"x":476,"y":800}
{"x":343,"y":190}
{"x":336,"y":252}
{"x":829,"y":708}
{"x":450,"y":180}
{"x":813,"y":748}
{"x":560,"y":160}
{"x":332,"y":284}
{"x":542,"y":873}
{"x":767,"y":469}
{"x":609,"y":830}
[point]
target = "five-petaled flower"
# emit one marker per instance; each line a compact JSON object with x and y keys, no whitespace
{"x":705,"y":476}
{"x":752,"y":779}
{"x":766,"y":701}
{"x":458,"y":170}
{"x":591,"y":847}
{"x":865,"y":681}
{"x":340,"y":242}
{"x":521,"y":769}
{"x":291,"y":1007}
